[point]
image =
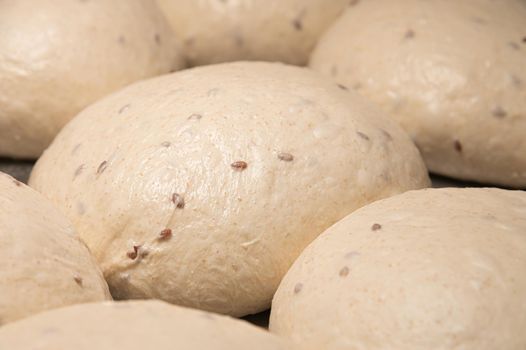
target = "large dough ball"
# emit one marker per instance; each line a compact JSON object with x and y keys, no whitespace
{"x":58,"y":56}
{"x":453,"y":73}
{"x":137,"y":325}
{"x":216,"y":31}
{"x":43,"y":264}
{"x":430,"y":269}
{"x":202,"y":187}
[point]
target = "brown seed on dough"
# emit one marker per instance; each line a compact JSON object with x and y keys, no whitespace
{"x":344,"y":271}
{"x":166,"y":144}
{"x":343,"y":87}
{"x":102,"y":167}
{"x":78,"y":280}
{"x":387,"y":135}
{"x":376,"y":227}
{"x":165,"y":234}
{"x":123,"y":108}
{"x":297,"y":24}
{"x":514,"y":45}
{"x":499,"y":112}
{"x":195,"y":117}
{"x":157,"y":38}
{"x":410,"y":34}
{"x":298,"y":287}
{"x":363,"y":136}
{"x":239,"y":165}
{"x":353,"y":2}
{"x":133,"y":254}
{"x":79,"y":170}
{"x":17,"y":183}
{"x":458,"y":146}
{"x":178,"y":200}
{"x":286,"y":157}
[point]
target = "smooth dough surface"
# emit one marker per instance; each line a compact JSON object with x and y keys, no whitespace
{"x":453,"y":73}
{"x":43,"y":264}
{"x":428,"y":269}
{"x":202,"y":187}
{"x":58,"y":56}
{"x":215,"y":31}
{"x":135,"y":325}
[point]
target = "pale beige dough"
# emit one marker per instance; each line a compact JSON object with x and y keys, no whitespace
{"x":453,"y":73}
{"x":136,"y":325}
{"x":215,"y":31}
{"x":430,"y":269}
{"x":58,"y":56}
{"x":43,"y":264}
{"x":245,"y":163}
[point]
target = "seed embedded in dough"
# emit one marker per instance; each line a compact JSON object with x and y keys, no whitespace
{"x":376,"y":227}
{"x":286,"y":157}
{"x":239,"y":165}
{"x":78,"y":280}
{"x":298,"y":287}
{"x":344,"y":271}
{"x":165,"y":234}
{"x":102,"y":167}
{"x":178,"y":200}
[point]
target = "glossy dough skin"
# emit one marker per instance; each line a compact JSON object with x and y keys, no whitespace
{"x":453,"y":73}
{"x":43,"y":263}
{"x":136,"y":325}
{"x":245,"y":163}
{"x":429,"y":269}
{"x":215,"y":31}
{"x":58,"y":56}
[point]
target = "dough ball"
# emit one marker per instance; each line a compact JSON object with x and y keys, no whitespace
{"x":43,"y":263}
{"x":58,"y":56}
{"x":429,"y":269}
{"x":202,"y":187}
{"x":453,"y":73}
{"x":136,"y":325}
{"x":215,"y":31}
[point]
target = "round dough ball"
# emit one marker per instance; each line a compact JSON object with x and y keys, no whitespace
{"x":215,"y":31}
{"x":58,"y":56}
{"x":136,"y":325}
{"x":202,"y":187}
{"x":429,"y":269}
{"x":453,"y":73}
{"x":43,"y":263}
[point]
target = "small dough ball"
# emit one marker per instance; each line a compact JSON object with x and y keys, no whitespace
{"x":215,"y":31}
{"x":202,"y":187}
{"x":136,"y":325}
{"x":429,"y":269}
{"x":43,"y":264}
{"x":453,"y":73}
{"x":58,"y":56}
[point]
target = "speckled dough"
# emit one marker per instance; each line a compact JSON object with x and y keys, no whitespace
{"x":453,"y":73}
{"x":216,"y":31}
{"x":202,"y":187}
{"x":136,"y":325}
{"x":43,"y":264}
{"x":58,"y":56}
{"x":430,"y":269}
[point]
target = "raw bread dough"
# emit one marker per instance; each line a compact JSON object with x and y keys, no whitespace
{"x":429,"y":269}
{"x":202,"y":187}
{"x":58,"y":56}
{"x":453,"y":73}
{"x":136,"y":325}
{"x":43,"y":264}
{"x":215,"y":31}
